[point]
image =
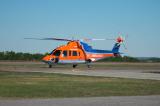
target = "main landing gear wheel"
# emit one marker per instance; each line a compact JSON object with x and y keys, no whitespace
{"x":74,"y":65}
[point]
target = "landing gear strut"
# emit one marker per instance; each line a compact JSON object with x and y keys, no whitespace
{"x":88,"y":65}
{"x":88,"y":62}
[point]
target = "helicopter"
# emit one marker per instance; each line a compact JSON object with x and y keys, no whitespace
{"x":78,"y":51}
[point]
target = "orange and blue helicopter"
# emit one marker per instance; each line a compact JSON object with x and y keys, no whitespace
{"x":77,"y":51}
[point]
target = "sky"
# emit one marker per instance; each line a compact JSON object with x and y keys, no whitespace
{"x":139,"y":19}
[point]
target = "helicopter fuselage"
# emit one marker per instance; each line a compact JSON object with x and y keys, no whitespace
{"x":76,"y":52}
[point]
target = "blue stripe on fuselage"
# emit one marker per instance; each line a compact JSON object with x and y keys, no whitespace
{"x":89,"y":49}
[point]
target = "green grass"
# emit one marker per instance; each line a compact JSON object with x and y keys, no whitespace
{"x":40,"y":85}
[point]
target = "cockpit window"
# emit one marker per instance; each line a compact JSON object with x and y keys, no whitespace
{"x":52,"y":52}
{"x":57,"y":53}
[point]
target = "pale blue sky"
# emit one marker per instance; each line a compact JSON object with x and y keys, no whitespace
{"x":140,"y":19}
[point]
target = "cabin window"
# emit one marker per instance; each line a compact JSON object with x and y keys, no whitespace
{"x":65,"y":53}
{"x":57,"y":53}
{"x":70,"y":53}
{"x":74,"y":53}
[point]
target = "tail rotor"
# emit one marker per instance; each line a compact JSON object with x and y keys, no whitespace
{"x":122,"y":40}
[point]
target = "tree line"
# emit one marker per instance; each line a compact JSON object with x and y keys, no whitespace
{"x":11,"y":55}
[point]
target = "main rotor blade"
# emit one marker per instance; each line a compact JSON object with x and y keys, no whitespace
{"x":49,"y":39}
{"x":93,"y":39}
{"x":102,"y":39}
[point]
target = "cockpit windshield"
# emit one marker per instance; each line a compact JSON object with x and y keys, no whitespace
{"x":57,"y":53}
{"x":52,"y":52}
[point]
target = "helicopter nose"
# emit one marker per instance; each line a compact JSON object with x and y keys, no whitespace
{"x":46,"y":58}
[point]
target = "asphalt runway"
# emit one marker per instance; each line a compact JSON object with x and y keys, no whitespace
{"x":133,"y":70}
{"x":93,"y":101}
{"x":111,"y":73}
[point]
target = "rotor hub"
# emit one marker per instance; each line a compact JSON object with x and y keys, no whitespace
{"x":119,"y":39}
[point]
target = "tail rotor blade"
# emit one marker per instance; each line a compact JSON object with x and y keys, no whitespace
{"x":124,"y":46}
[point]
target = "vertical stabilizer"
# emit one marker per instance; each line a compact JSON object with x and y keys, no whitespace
{"x":117,"y":45}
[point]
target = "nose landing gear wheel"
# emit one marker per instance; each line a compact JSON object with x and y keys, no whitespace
{"x":50,"y":66}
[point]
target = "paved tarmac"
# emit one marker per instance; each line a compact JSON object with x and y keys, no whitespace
{"x":93,"y":101}
{"x":134,"y":70}
{"x":113,"y":73}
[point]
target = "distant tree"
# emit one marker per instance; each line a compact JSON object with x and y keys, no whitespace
{"x":154,"y":59}
{"x":1,"y":55}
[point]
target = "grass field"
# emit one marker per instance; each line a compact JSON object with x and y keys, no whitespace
{"x":43,"y":85}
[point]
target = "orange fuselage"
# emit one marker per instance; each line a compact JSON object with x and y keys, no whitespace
{"x":73,"y":52}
